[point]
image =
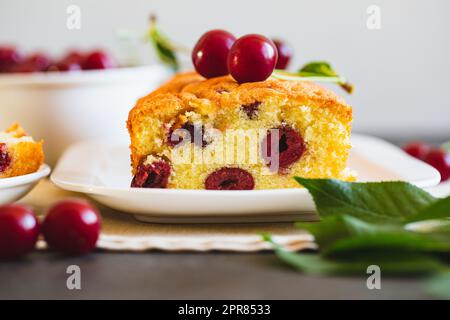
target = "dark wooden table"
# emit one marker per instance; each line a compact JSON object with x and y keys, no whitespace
{"x":160,"y":275}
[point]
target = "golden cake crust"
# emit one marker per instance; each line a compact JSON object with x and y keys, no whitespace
{"x":190,"y":91}
{"x":26,"y":156}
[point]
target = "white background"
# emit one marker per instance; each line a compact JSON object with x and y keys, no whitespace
{"x":401,"y":72}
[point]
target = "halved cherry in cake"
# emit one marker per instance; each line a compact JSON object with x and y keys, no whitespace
{"x":5,"y":159}
{"x":153,"y":175}
{"x":251,"y":109}
{"x":175,"y":138}
{"x":290,"y":147}
{"x":230,"y":179}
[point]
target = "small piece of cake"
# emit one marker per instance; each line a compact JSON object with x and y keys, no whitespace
{"x":19,"y":153}
{"x":216,"y":134}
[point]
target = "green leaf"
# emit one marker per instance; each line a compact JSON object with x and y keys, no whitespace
{"x":380,"y":202}
{"x":164,"y":48}
{"x":342,"y":236}
{"x":317,"y":68}
{"x":384,"y":243}
{"x":439,"y":285}
{"x":437,"y":210}
{"x":324,"y":69}
{"x":335,"y":227}
{"x":400,"y":264}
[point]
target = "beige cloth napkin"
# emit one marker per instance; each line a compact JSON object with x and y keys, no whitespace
{"x":121,"y":232}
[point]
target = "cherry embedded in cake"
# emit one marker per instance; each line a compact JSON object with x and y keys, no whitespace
{"x":289,"y":147}
{"x":5,"y":159}
{"x":19,"y":153}
{"x":152,"y":175}
{"x":229,"y":179}
{"x":235,"y":124}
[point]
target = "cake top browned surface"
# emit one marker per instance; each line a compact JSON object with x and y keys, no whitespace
{"x":222,"y":92}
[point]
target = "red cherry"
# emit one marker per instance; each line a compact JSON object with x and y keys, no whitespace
{"x":40,"y":60}
{"x":65,"y":66}
{"x":98,"y":60}
{"x":252,"y":58}
{"x":24,"y":67}
{"x":9,"y":57}
{"x":5,"y":158}
{"x":154,"y":175}
{"x":440,"y":160}
{"x":35,"y":63}
{"x":19,"y":230}
{"x":284,"y":54}
{"x":72,"y":226}
{"x":291,"y":147}
{"x":74,"y":56}
{"x":72,"y":61}
{"x":417,"y":149}
{"x":230,"y":179}
{"x":209,"y":55}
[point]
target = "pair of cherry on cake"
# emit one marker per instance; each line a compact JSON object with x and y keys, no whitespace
{"x":232,"y":91}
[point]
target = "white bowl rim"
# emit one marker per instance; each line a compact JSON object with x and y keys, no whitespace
{"x":43,"y":172}
{"x":56,"y":78}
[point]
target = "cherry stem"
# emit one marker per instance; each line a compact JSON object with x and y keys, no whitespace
{"x":292,"y":76}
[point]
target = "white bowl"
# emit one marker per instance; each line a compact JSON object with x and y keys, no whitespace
{"x":12,"y":189}
{"x":64,"y":107}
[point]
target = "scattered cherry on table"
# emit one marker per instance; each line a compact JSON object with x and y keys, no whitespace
{"x":19,"y":230}
{"x":252,"y":58}
{"x":72,"y":226}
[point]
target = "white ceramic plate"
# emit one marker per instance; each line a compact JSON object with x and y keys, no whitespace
{"x":12,"y":189}
{"x":102,"y":170}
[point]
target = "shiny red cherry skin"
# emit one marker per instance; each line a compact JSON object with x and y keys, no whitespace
{"x":19,"y":230}
{"x":9,"y":57}
{"x":252,"y":58}
{"x":440,"y":160}
{"x":72,"y":226}
{"x":98,"y":60}
{"x":209,"y":55}
{"x":417,"y":149}
{"x":285,"y":53}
